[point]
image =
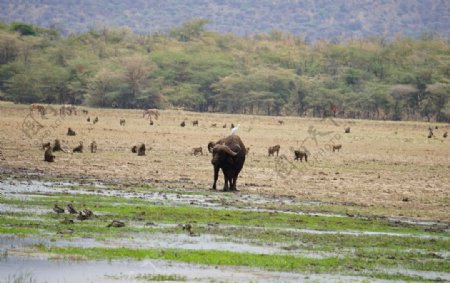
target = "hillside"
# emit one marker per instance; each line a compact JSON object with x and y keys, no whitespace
{"x":313,"y":19}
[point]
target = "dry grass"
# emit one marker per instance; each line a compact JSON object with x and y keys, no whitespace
{"x":385,"y":165}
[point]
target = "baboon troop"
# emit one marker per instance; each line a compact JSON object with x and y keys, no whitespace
{"x":347,"y":130}
{"x":195,"y":123}
{"x":122,"y":122}
{"x":48,"y":154}
{"x":93,"y":147}
{"x":273,"y":149}
{"x":197,"y":150}
{"x":299,"y":154}
{"x":183,"y":124}
{"x":95,"y":120}
{"x":336,"y":147}
{"x":79,"y":148}
{"x":71,"y":132}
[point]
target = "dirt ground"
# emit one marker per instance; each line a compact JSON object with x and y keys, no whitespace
{"x":389,"y":166}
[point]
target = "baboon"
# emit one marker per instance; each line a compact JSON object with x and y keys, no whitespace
{"x":435,"y":127}
{"x":445,"y":135}
{"x":71,"y":209}
{"x":281,"y":122}
{"x":141,"y":150}
{"x":134,"y":149}
{"x":430,"y":133}
{"x":224,"y":126}
{"x":337,"y":147}
{"x":273,"y":149}
{"x":93,"y":147}
{"x":85,"y":111}
{"x":232,"y":126}
{"x":45,"y":145}
{"x":122,"y":122}
{"x":71,"y":132}
{"x":57,"y":146}
{"x":183,"y":124}
{"x":58,"y":209}
{"x":79,"y":148}
{"x":214,"y":125}
{"x":48,"y":155}
{"x":151,"y":122}
{"x":300,"y":155}
{"x":88,"y":119}
{"x":197,"y":150}
{"x":195,"y":123}
{"x":347,"y":130}
{"x":95,"y":120}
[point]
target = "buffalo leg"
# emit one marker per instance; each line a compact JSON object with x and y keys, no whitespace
{"x":216,"y":176}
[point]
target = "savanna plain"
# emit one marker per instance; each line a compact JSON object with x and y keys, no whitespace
{"x":377,"y":210}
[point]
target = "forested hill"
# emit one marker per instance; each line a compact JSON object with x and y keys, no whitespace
{"x":313,"y":19}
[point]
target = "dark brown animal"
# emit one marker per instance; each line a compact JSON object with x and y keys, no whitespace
{"x":38,"y":107}
{"x":445,"y":135}
{"x":347,"y":130}
{"x":93,"y":147}
{"x":195,"y":123}
{"x":337,"y":147}
{"x":183,"y":124}
{"x":85,"y":111}
{"x":214,"y":125}
{"x":232,"y":126}
{"x":151,"y":112}
{"x":299,"y":154}
{"x":151,"y":122}
{"x":228,"y":155}
{"x":273,"y":149}
{"x":224,"y":126}
{"x":122,"y":122}
{"x":48,"y":155}
{"x":58,"y":209}
{"x":88,"y":119}
{"x":134,"y":149}
{"x":45,"y":145}
{"x":67,"y":108}
{"x":95,"y":120}
{"x":71,"y":132}
{"x":79,"y":148}
{"x":71,"y":209}
{"x":210,"y":146}
{"x":57,"y":146}
{"x":141,"y":150}
{"x":197,"y":150}
{"x":430,"y":133}
{"x":281,"y":122}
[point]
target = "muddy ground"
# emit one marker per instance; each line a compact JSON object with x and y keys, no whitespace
{"x":389,"y":168}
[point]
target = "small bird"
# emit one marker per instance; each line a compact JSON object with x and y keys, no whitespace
{"x":234,"y":130}
{"x":58,"y":209}
{"x":116,"y":223}
{"x":71,"y":209}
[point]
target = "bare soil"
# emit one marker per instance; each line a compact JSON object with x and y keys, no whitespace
{"x":390,"y":167}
